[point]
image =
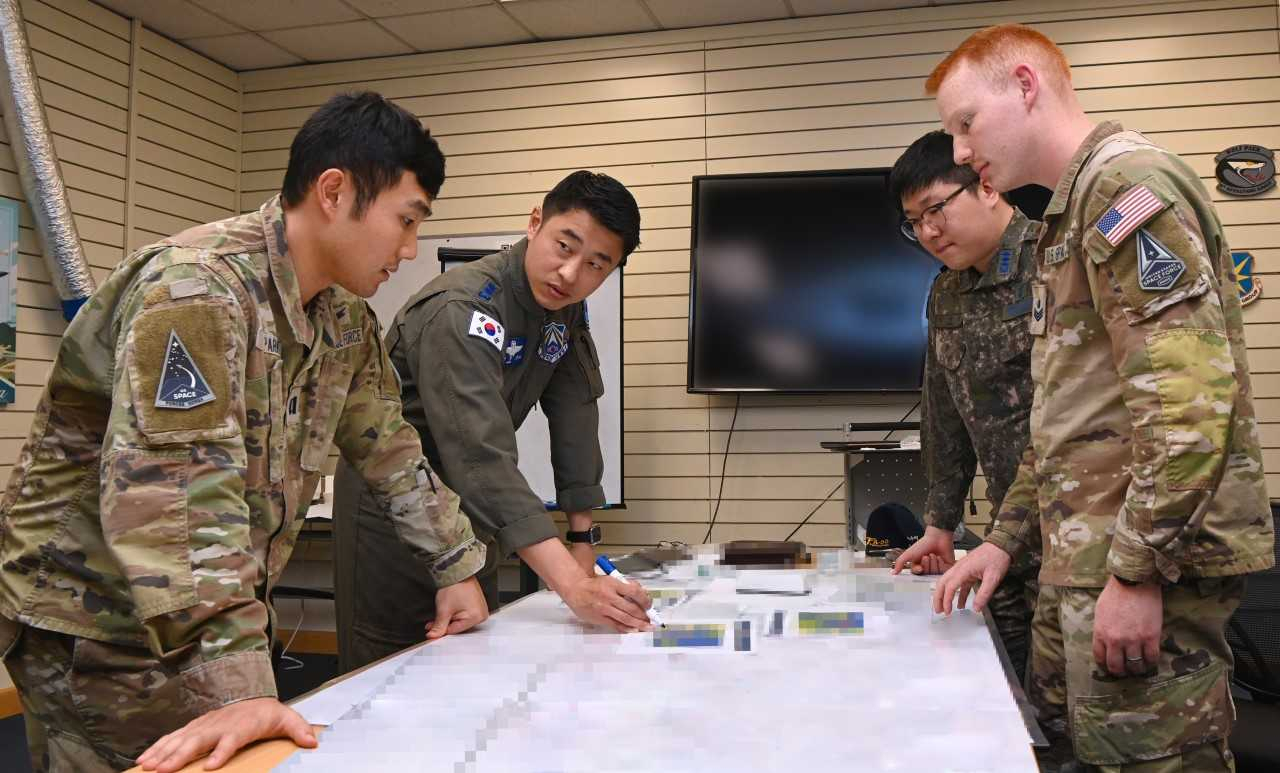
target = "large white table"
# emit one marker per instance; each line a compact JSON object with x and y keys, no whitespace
{"x":534,"y":690}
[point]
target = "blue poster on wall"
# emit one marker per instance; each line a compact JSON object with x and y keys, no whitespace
{"x":8,"y":300}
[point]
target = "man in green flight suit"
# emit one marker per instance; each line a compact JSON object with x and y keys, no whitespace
{"x":476,"y":349}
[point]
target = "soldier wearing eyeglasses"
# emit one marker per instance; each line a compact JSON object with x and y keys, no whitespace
{"x":977,"y":379}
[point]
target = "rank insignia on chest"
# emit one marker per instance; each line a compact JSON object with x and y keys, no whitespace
{"x":1158,"y":268}
{"x":554,"y":342}
{"x":1039,"y":300}
{"x":514,"y":353}
{"x":1004,"y":264}
{"x":488,"y":328}
{"x":486,"y":292}
{"x":182,"y":386}
{"x":1250,"y":286}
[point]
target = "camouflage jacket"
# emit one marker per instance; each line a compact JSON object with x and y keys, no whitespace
{"x":1144,"y":458}
{"x":977,"y":375}
{"x":177,"y":446}
{"x":467,"y":391}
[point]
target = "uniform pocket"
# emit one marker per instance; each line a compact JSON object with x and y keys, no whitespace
{"x":589,"y":359}
{"x":1153,"y":720}
{"x":1196,"y":380}
{"x":325,"y":396}
{"x":144,"y":521}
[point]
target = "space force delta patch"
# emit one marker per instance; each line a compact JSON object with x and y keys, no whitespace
{"x":488,"y":328}
{"x":182,"y":386}
{"x":1158,"y":268}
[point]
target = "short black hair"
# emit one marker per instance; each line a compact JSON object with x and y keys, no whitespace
{"x":369,"y":137}
{"x":929,"y":160}
{"x":602,"y":197}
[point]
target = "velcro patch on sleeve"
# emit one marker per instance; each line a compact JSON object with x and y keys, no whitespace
{"x":488,"y":328}
{"x":1129,"y":211}
{"x":178,"y":357}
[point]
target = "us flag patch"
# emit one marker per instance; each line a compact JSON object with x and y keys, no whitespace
{"x":1127,"y":213}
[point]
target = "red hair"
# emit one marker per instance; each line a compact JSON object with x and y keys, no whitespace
{"x":997,"y":50}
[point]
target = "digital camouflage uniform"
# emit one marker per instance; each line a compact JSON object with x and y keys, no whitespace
{"x":466,"y":389}
{"x":976,"y":403}
{"x":163,"y":485}
{"x":1144,"y":459}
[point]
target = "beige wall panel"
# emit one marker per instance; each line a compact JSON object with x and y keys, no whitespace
{"x":654,"y":375}
{"x":665,"y":262}
{"x":164,"y":223}
{"x":186,"y":143}
{"x":661,"y":397}
{"x":655,"y":330}
{"x":89,"y":13}
{"x":766,"y":464}
{"x":183,"y":162}
{"x":646,"y":352}
{"x":774,"y":441}
{"x":178,"y":75}
{"x":662,"y":239}
{"x":185,"y":185}
{"x":113,"y":42}
{"x":69,"y":124}
{"x":178,"y":205}
{"x":567,"y":136}
{"x":66,"y":61}
{"x":86,"y":179}
{"x":668,"y":307}
{"x":1265,"y":361}
{"x":40,"y":295}
{"x":781,"y":511}
{"x":35,"y":346}
{"x":544,"y":180}
{"x":657,"y":420}
{"x":656,"y":284}
{"x":227,"y":79}
{"x":577,"y":158}
{"x":583,"y":93}
{"x":667,"y":488}
{"x":667,"y":465}
{"x":32,"y":373}
{"x":159,"y":103}
{"x":695,"y":510}
{"x":690,"y":442}
{"x":572,"y":114}
{"x":777,"y":487}
{"x":607,"y":68}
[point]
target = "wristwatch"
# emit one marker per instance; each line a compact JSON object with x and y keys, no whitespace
{"x":590,"y":536}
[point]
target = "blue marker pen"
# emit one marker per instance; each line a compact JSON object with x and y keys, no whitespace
{"x":605,"y":566}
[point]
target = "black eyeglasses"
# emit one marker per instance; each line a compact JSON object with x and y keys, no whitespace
{"x":931,"y":216}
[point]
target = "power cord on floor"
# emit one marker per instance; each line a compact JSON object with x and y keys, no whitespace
{"x":833,"y":491}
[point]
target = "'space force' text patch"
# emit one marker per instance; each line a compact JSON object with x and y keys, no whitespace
{"x":182,"y":385}
{"x":488,"y":328}
{"x":1158,"y":268}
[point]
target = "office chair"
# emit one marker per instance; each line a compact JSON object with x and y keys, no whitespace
{"x":1254,"y":635}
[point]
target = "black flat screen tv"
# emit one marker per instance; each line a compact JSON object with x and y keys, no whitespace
{"x":802,"y":282}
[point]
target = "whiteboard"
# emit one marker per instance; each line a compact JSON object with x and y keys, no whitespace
{"x":533,"y":439}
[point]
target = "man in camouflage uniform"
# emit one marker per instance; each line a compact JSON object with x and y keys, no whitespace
{"x":476,"y":350}
{"x":179,"y":441}
{"x":1144,"y":473}
{"x":977,"y":370}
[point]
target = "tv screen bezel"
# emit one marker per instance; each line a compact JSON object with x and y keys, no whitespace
{"x":880,"y":171}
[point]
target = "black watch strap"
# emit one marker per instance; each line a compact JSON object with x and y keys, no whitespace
{"x":590,"y":536}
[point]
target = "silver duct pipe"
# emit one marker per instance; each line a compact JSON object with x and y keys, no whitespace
{"x":28,"y":129}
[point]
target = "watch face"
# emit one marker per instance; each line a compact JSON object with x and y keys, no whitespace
{"x":594,"y":534}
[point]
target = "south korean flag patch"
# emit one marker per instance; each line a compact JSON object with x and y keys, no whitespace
{"x":182,"y":385}
{"x":488,"y":328}
{"x":1158,"y":268}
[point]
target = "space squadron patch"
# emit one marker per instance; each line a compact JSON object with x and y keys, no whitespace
{"x":182,"y":385}
{"x":555,"y":342}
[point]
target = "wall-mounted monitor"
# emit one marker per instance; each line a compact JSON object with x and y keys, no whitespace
{"x":802,"y":282}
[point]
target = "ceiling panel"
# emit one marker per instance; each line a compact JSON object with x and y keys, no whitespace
{"x":335,"y":42}
{"x":462,"y":28}
{"x":821,"y":7}
{"x":176,"y":19}
{"x":243,"y":51}
{"x":274,"y":14}
{"x":684,"y":13}
{"x":551,"y":19}
{"x":376,"y":8}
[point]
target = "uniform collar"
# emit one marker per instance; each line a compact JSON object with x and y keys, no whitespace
{"x":1058,"y":204}
{"x":518,"y":280}
{"x":283,"y":275}
{"x":1006,"y":262}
